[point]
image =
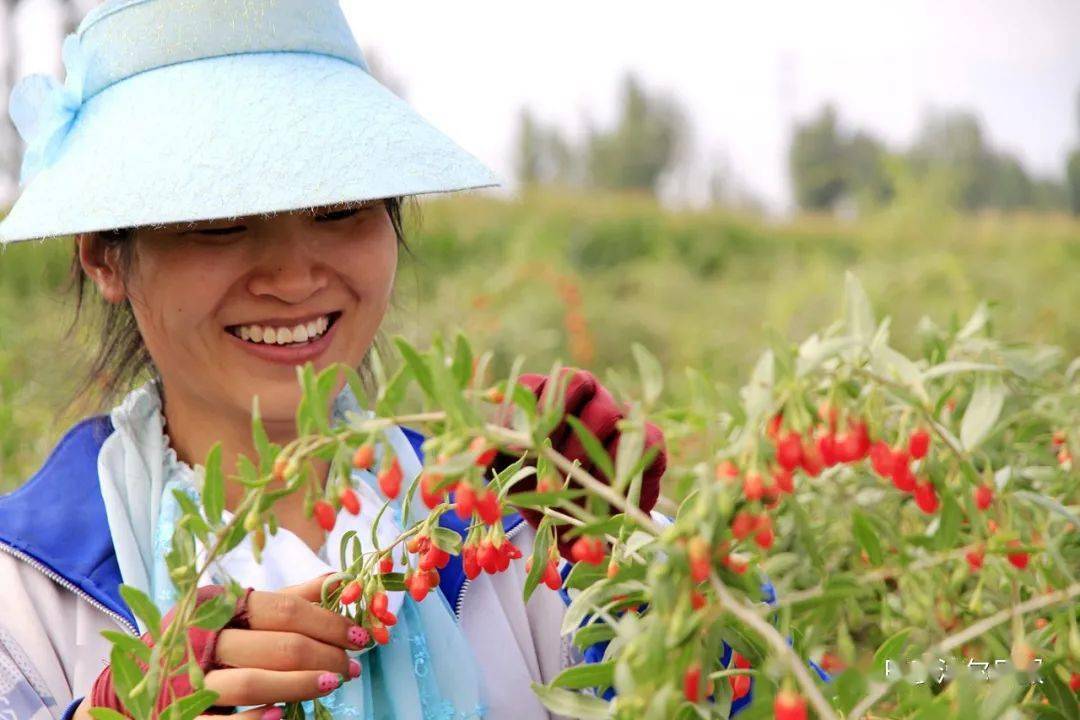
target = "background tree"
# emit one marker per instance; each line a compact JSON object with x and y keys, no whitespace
{"x":646,"y":139}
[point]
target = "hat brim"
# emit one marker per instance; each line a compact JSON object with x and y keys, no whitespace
{"x":233,"y":136}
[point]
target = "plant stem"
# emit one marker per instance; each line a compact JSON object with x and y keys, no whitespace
{"x":752,"y":619}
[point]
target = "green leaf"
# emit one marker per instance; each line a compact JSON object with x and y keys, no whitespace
{"x":951,"y":515}
{"x":596,"y":452}
{"x":126,"y":675}
{"x":446,"y":539}
{"x":260,"y":439}
{"x":890,"y":650}
{"x":393,"y":392}
{"x":983,"y":410}
{"x":462,"y":367}
{"x":213,"y":491}
{"x":420,"y":369}
{"x":356,"y":385}
{"x":858,"y":316}
{"x":214,"y":613}
{"x":592,"y":634}
{"x":128,"y":644}
{"x":321,"y":713}
{"x":571,"y":704}
{"x":866,"y":536}
{"x":1050,"y":504}
{"x":144,"y":608}
{"x":652,"y":376}
{"x":191,"y":706}
{"x":586,"y":675}
{"x":106,"y":714}
{"x":541,"y":549}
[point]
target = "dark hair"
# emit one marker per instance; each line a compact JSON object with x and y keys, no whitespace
{"x":122,"y":358}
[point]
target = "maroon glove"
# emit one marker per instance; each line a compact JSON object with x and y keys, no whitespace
{"x":590,"y":402}
{"x":203,"y":645}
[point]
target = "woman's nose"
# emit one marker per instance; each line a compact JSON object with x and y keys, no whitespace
{"x":287,"y":269}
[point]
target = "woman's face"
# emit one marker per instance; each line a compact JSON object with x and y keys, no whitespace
{"x":228,"y":308}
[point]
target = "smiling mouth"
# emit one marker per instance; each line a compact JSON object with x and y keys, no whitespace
{"x":291,"y":335}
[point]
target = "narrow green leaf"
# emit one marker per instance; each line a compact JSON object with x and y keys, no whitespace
{"x":541,"y":549}
{"x":596,"y":452}
{"x":652,"y":375}
{"x":858,"y":316}
{"x":129,"y":644}
{"x":983,"y":410}
{"x":572,"y":704}
{"x":260,"y":439}
{"x":143,"y":607}
{"x":462,"y":367}
{"x":866,"y":536}
{"x":106,"y":714}
{"x":213,"y":491}
{"x":586,"y":675}
{"x":891,"y":649}
{"x":419,"y":366}
{"x":191,"y":706}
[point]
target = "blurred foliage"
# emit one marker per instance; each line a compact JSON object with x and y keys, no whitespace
{"x":644,"y":142}
{"x":581,"y":277}
{"x":830,"y":166}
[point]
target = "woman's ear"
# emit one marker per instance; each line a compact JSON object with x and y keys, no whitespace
{"x":101,"y":262}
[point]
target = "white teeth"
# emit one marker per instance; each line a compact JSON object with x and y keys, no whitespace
{"x":283,"y":335}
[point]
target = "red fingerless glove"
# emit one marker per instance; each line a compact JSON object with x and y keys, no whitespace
{"x":590,"y":402}
{"x":203,"y":645}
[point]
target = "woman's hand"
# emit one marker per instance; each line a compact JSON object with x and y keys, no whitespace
{"x":281,"y":647}
{"x":590,"y":402}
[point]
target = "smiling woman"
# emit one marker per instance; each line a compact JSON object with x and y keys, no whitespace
{"x":265,"y":280}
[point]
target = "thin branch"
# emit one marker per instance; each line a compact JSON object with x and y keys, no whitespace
{"x":750,"y":617}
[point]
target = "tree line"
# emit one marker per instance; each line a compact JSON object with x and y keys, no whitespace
{"x":829,"y":165}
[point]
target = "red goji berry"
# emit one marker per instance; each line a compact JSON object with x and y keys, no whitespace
{"x":789,"y":705}
{"x":390,"y":480}
{"x":984,"y":495}
{"x":349,"y":500}
{"x":325,"y":515}
{"x":919,"y":444}
{"x":351,"y":593}
{"x":364,"y":456}
{"x":464,"y":500}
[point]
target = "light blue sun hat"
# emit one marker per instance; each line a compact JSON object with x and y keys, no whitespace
{"x":181,"y":110}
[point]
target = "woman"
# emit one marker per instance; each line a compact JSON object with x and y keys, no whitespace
{"x":233,"y":178}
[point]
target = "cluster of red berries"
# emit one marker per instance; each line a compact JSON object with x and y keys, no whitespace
{"x":378,"y":607}
{"x":325,"y":513}
{"x":551,"y":576}
{"x":824,"y":447}
{"x":895,"y":464}
{"x":489,"y":555}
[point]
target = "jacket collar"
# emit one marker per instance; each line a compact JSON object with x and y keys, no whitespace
{"x":57,"y":518}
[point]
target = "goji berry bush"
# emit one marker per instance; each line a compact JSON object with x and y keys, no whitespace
{"x":909,"y":524}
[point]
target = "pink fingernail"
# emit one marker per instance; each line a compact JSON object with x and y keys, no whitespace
{"x":274,"y":713}
{"x":358,"y":636}
{"x":329,"y":681}
{"x":354,"y":668}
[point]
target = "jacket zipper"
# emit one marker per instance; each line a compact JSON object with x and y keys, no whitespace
{"x":62,"y":582}
{"x":461,"y":596}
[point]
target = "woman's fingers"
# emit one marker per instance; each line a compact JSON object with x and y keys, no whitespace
{"x":253,"y":686}
{"x":276,"y":650}
{"x":310,"y":590}
{"x":267,"y":712}
{"x":292,"y":613}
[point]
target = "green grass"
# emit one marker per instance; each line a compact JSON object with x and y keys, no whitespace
{"x":699,"y":289}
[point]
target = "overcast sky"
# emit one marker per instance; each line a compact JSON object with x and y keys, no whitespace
{"x":742,"y":70}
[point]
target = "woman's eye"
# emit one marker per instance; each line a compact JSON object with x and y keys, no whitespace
{"x":213,"y":232}
{"x":337,"y":215}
